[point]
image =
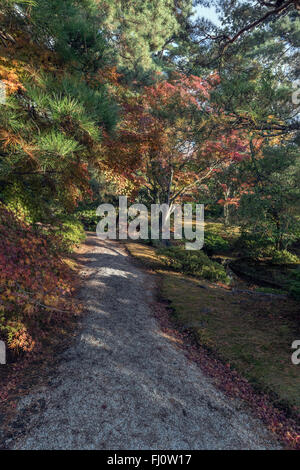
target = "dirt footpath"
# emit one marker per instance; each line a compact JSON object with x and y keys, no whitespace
{"x":123,"y":385}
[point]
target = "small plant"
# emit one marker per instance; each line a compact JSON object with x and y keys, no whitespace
{"x":196,"y":263}
{"x":257,"y":247}
{"x":254,"y":245}
{"x":70,"y":232}
{"x":214,"y":243}
{"x":284,"y":257}
{"x":88,"y":218}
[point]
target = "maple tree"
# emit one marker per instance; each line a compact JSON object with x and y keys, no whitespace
{"x":166,"y":144}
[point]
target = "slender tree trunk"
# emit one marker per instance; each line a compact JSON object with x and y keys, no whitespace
{"x":227,"y":208}
{"x":226,"y":215}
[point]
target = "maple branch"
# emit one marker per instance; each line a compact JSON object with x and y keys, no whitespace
{"x":45,"y":172}
{"x":183,"y":190}
{"x":39,"y":303}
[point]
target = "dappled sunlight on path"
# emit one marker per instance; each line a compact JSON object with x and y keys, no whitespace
{"x":124,"y":384}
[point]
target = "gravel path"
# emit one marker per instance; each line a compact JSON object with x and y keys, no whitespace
{"x":123,"y":385}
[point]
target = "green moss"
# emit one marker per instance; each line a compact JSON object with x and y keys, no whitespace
{"x":254,"y":335}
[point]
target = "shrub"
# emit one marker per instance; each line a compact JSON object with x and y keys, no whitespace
{"x":35,"y":285}
{"x":88,"y":218}
{"x":254,"y":245}
{"x":70,"y":232}
{"x":214,"y":243}
{"x":25,"y":204}
{"x":283,"y":257}
{"x":258,"y":246}
{"x":196,"y":263}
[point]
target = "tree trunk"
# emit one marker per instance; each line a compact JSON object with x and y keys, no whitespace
{"x":226,"y":215}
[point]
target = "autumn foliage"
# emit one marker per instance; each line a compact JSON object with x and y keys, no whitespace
{"x":107,"y":98}
{"x":168,"y":140}
{"x":35,"y":286}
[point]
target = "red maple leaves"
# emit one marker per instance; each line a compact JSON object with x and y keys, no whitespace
{"x":35,"y":285}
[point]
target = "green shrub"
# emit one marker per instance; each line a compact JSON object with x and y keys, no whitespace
{"x":214,"y":243}
{"x":257,"y":246}
{"x":88,"y":218}
{"x":196,"y":263}
{"x":283,"y":257}
{"x":254,"y":245}
{"x":69,"y":232}
{"x":24,"y":203}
